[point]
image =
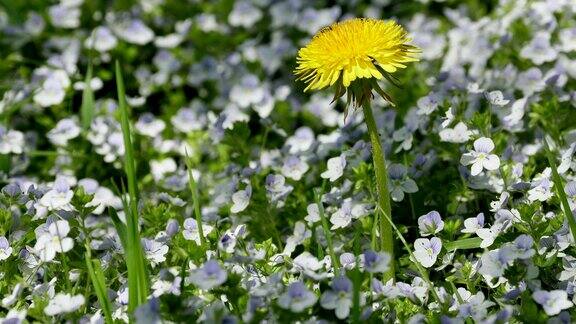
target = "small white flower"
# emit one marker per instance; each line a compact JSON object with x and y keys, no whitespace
{"x":59,"y":197}
{"x":241,"y":199}
{"x":301,"y":233}
{"x":488,"y":235}
{"x":191,"y":231}
{"x":65,"y":130}
{"x":5,"y":249}
{"x":155,"y":251}
{"x":210,"y":275}
{"x":472,"y":224}
{"x":294,"y":168}
{"x":426,"y":250}
{"x":159,"y":168}
{"x":63,"y":303}
{"x":297,"y":298}
{"x":11,"y":141}
{"x":150,"y":126}
{"x":335,"y":168}
{"x":54,"y":240}
{"x":553,"y":301}
{"x":480,"y":157}
{"x":458,"y":134}
{"x":496,"y":98}
{"x":313,"y":213}
{"x":430,"y":223}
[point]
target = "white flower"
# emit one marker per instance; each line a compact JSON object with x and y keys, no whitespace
{"x":101,"y":39}
{"x":339,"y":298}
{"x":496,"y":98}
{"x":191,"y":231}
{"x":53,"y":89}
{"x":297,"y":298}
{"x":241,"y":199}
{"x":480,"y":157}
{"x":472,"y":224}
{"x":539,"y":49}
{"x":294,"y":168}
{"x":11,"y":141}
{"x":155,"y":251}
{"x":244,"y":14}
{"x":5,"y":249}
{"x":104,"y":197}
{"x":458,"y":134}
{"x":64,"y":16}
{"x":150,"y":126}
{"x":488,"y":235}
{"x":301,"y":233}
{"x":65,"y":130}
{"x":63,"y":303}
{"x":133,"y":31}
{"x":54,"y":240}
{"x":430,"y":223}
{"x":14,"y":317}
{"x":553,"y":301}
{"x":313,"y":213}
{"x":301,"y":141}
{"x":493,"y":263}
{"x":58,"y":197}
{"x":159,"y":168}
{"x":335,"y":168}
{"x":209,"y":276}
{"x":426,"y":250}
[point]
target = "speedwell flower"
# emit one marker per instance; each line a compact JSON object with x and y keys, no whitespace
{"x":359,"y":49}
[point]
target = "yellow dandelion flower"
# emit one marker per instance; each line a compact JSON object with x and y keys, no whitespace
{"x":359,"y":48}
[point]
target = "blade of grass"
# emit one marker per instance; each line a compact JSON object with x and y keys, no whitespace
{"x":87,"y":108}
{"x":318,"y":193}
{"x":196,"y":201}
{"x":98,"y":281}
{"x":559,"y":186}
{"x":137,"y":276}
{"x":463,"y":244}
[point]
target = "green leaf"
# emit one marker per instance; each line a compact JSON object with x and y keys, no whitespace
{"x":99,"y":282}
{"x":464,"y":244}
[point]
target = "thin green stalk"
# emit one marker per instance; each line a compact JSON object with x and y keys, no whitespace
{"x":196,"y":201}
{"x":98,"y":281}
{"x":318,"y":196}
{"x":87,"y":108}
{"x":137,"y":276}
{"x":386,"y":236}
{"x":559,"y":186}
{"x":422,"y":271}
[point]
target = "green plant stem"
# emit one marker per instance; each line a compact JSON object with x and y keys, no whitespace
{"x":196,"y":202}
{"x":559,"y":186}
{"x":422,"y":271}
{"x":386,"y":236}
{"x":318,"y":196}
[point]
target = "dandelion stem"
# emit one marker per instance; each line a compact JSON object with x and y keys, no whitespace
{"x":386,"y":236}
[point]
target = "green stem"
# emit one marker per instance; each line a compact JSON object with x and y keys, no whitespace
{"x":318,"y":195}
{"x":558,"y":185}
{"x":386,"y":236}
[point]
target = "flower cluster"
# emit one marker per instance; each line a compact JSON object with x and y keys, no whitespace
{"x":256,"y":201}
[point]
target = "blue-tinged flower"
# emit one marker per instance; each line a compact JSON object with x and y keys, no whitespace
{"x":399,"y":182}
{"x":63,"y":303}
{"x":539,"y":50}
{"x":476,"y":307}
{"x":494,"y":263}
{"x":426,"y":251}
{"x":5,"y":249}
{"x":294,"y":167}
{"x":297,"y":298}
{"x":472,"y":224}
{"x":339,"y":298}
{"x":553,"y":301}
{"x":335,"y":168}
{"x":430,"y":223}
{"x":376,"y":261}
{"x":209,"y":276}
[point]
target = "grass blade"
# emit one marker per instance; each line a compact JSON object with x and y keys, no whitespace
{"x":137,"y":276}
{"x":98,"y":281}
{"x":463,"y":244}
{"x":196,"y":201}
{"x":87,"y":108}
